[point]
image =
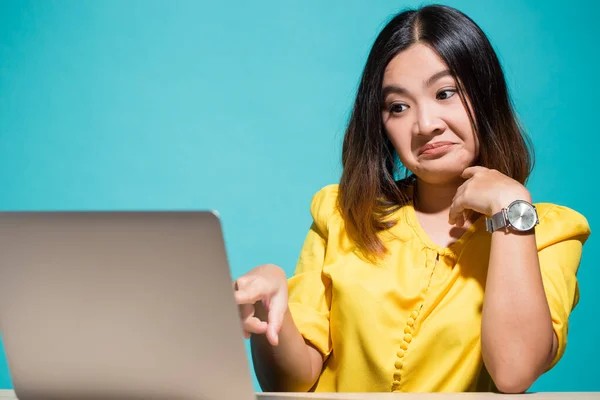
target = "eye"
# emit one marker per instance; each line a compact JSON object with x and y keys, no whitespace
{"x":397,"y":108}
{"x":446,"y":94}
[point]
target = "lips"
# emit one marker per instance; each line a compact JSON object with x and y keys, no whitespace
{"x":434,"y":147}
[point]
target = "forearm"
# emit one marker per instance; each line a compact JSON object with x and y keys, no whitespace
{"x":517,"y":337}
{"x":289,"y":366}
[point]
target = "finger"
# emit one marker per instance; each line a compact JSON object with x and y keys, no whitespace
{"x":459,"y":191}
{"x":255,"y":325}
{"x":237,"y":283}
{"x":456,"y":210}
{"x":463,"y":187}
{"x":250,"y":323}
{"x":460,"y":220}
{"x":246,"y":311}
{"x":251,"y":293}
{"x":277,"y":309}
{"x":243,"y":281}
{"x":469,"y":172}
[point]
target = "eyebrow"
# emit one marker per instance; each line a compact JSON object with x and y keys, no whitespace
{"x":430,"y":81}
{"x":437,"y":76}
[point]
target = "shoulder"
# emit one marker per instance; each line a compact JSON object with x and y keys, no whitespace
{"x":559,"y":223}
{"x":324,"y":205}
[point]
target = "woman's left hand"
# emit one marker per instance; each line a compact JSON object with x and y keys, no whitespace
{"x":485,"y":191}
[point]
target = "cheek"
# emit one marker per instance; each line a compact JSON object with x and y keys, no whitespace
{"x":473,"y":142}
{"x":468,"y":135}
{"x":470,"y":138}
{"x":400,"y":137}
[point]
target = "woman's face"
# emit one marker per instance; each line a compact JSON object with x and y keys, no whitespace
{"x":424,"y":116}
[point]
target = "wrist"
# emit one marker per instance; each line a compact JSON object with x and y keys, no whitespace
{"x":507,"y":199}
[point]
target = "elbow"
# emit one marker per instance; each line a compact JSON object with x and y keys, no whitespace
{"x":513,"y":381}
{"x":513,"y":386}
{"x":515,"y":370}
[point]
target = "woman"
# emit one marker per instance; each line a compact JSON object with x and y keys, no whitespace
{"x":448,"y":279}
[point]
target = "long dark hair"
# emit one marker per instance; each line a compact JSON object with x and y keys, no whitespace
{"x":369,"y":191}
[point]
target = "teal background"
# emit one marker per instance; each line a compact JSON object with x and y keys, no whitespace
{"x":241,"y":106}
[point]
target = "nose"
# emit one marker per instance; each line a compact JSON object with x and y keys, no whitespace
{"x":428,"y":122}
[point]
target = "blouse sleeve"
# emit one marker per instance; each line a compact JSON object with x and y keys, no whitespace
{"x":309,"y":288}
{"x":560,"y":238}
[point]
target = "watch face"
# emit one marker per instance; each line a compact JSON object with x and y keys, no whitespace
{"x":521,"y":215}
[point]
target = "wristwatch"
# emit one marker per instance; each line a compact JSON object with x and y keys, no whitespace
{"x":519,"y":215}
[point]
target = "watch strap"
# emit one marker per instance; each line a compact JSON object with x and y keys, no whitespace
{"x":497,"y":221}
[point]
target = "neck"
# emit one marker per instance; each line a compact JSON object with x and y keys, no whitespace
{"x":435,"y":198}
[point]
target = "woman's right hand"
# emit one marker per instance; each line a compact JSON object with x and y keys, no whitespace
{"x":262,"y":298}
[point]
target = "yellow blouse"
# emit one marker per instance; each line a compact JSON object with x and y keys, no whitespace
{"x":409,"y":323}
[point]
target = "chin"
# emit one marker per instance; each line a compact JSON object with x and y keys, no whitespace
{"x":441,"y":170}
{"x":440,"y":176}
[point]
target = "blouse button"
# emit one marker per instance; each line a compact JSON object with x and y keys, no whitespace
{"x":408,"y":337}
{"x":397,"y":376}
{"x":404,"y":346}
{"x":410,"y":321}
{"x":398,"y":364}
{"x":407,"y":329}
{"x":414,"y":314}
{"x":400,"y":353}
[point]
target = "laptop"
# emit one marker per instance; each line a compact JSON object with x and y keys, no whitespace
{"x":120,"y":305}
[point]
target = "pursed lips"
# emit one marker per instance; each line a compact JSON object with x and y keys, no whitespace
{"x":433,"y":146}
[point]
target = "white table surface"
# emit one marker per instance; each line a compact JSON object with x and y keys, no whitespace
{"x":9,"y":395}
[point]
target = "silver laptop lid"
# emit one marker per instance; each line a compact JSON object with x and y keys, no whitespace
{"x":128,"y":305}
